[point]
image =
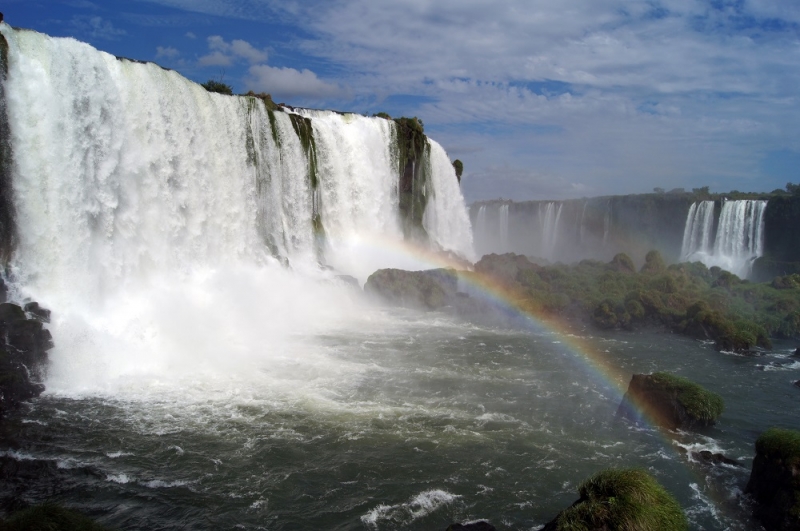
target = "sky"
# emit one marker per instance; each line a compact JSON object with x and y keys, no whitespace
{"x":540,"y":99}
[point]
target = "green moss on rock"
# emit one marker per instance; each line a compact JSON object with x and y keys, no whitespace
{"x":775,"y":479}
{"x":700,"y":404}
{"x":621,"y":499}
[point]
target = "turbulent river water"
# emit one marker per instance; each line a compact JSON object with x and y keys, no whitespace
{"x":397,"y":420}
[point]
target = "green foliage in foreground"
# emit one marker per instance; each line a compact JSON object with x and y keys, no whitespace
{"x":217,"y":86}
{"x":49,"y":517}
{"x":627,"y":499}
{"x":699,"y":403}
{"x":688,"y":298}
{"x":780,"y":444}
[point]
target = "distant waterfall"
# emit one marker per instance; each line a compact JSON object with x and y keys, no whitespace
{"x":697,"y":237}
{"x":503,"y":224}
{"x":737,"y":241}
{"x":549,"y":217}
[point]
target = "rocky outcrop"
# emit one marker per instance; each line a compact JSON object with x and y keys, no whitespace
{"x":775,"y":479}
{"x":430,"y":290}
{"x":505,"y":268}
{"x":22,"y":354}
{"x":621,"y":499}
{"x":670,"y":401}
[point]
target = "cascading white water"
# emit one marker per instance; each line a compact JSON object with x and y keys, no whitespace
{"x":152,"y":214}
{"x":502,"y":216}
{"x":739,"y":238}
{"x":549,"y":223}
{"x":698,"y":233}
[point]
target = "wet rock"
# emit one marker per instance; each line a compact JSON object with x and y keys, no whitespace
{"x":775,"y":479}
{"x":504,"y":267}
{"x":432,"y":289}
{"x":797,"y":383}
{"x":796,"y":352}
{"x":23,"y":354}
{"x":473,"y":526}
{"x":671,"y":401}
{"x":3,"y":291}
{"x":714,"y":458}
{"x":39,"y":313}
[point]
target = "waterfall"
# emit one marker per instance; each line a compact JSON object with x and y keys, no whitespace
{"x":502,"y":216}
{"x":130,"y":182}
{"x":697,"y":235}
{"x":549,"y":218}
{"x":739,"y":237}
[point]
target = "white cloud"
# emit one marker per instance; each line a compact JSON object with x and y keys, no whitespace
{"x":288,"y":83}
{"x":226,"y":53}
{"x":167,"y":52}
{"x":190,"y":35}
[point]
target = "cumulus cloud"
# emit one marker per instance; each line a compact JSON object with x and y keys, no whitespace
{"x":227,"y":53}
{"x":289,"y":83}
{"x":167,"y":52}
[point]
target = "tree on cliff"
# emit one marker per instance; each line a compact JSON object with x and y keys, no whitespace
{"x":793,"y":189}
{"x":459,"y":167}
{"x":217,"y":86}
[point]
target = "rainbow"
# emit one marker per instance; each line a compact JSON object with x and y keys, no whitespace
{"x":596,"y":363}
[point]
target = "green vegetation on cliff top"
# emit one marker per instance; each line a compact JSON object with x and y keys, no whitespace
{"x":782,"y":444}
{"x":699,"y":403}
{"x":623,"y":499}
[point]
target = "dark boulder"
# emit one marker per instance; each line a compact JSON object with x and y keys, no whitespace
{"x":505,"y":268}
{"x":431,"y":290}
{"x":797,"y":352}
{"x":775,"y":479}
{"x":714,"y":458}
{"x":671,"y":401}
{"x":23,"y":354}
{"x":37,"y":312}
{"x":797,"y":383}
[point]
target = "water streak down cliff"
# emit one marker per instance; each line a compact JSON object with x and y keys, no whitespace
{"x":731,"y":236}
{"x":122,"y":168}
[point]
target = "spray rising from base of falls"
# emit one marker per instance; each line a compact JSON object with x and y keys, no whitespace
{"x":152,"y":216}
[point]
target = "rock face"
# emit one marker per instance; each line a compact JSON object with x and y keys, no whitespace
{"x":431,"y":290}
{"x":775,"y":479}
{"x":671,"y":401}
{"x":22,"y":354}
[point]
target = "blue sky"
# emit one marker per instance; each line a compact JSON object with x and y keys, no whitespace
{"x":541,"y":99}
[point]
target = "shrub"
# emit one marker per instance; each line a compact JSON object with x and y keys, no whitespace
{"x":653,"y":263}
{"x":623,"y":499}
{"x":623,"y":263}
{"x":699,"y":403}
{"x":780,"y":444}
{"x":217,"y":86}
